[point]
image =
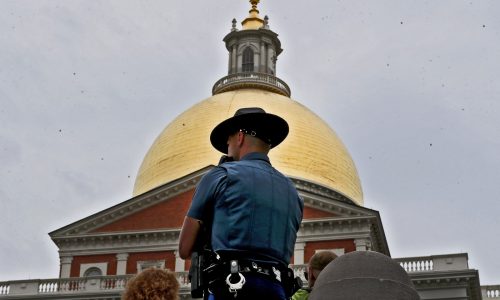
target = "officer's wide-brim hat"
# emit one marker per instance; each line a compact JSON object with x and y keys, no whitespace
{"x":270,"y":128}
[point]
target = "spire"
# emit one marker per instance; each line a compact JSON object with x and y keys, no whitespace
{"x":253,"y":21}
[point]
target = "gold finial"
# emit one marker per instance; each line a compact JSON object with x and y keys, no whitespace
{"x":253,"y":21}
{"x":254,"y":5}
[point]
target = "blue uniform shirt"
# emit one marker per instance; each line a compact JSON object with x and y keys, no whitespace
{"x":250,"y":206}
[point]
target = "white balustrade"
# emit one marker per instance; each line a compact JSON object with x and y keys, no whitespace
{"x":70,"y":286}
{"x":491,"y":291}
{"x":183,"y":278}
{"x":268,"y":80}
{"x":425,"y":265}
{"x":4,"y":288}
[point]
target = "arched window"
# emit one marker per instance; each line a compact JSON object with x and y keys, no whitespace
{"x":247,"y":60}
{"x":92,"y":272}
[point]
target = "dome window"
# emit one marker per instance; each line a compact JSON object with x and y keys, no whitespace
{"x":248,"y":65}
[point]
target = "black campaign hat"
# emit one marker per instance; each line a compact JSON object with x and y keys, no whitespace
{"x":254,"y":121}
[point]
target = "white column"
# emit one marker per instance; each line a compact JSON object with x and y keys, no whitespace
{"x":363,"y":244}
{"x":121,"y":266}
{"x":66,"y":266}
{"x":179,"y":263}
{"x":298,"y":254}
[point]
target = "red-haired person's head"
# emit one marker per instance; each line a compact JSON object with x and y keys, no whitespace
{"x":152,"y":284}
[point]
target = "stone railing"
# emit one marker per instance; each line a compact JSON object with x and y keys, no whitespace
{"x":111,"y":287}
{"x":299,"y":270}
{"x":76,"y":285}
{"x":417,"y":264}
{"x":448,"y":262}
{"x":490,"y":291}
{"x":64,"y":285}
{"x":61,"y":288}
{"x":251,"y":80}
{"x":4,"y":288}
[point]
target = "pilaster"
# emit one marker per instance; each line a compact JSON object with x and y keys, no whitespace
{"x":363,"y":244}
{"x":179,"y":263}
{"x":298,"y":254}
{"x":65,"y":266}
{"x":121,"y":267}
{"x":262,"y":64}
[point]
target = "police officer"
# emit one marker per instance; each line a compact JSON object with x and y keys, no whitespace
{"x":252,"y":211}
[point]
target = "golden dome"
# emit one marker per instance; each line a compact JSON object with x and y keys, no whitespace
{"x":312,"y":151}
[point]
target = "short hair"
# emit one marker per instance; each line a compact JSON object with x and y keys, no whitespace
{"x":321,"y":259}
{"x":256,"y":141}
{"x":152,"y":284}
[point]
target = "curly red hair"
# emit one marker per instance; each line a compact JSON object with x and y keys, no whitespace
{"x":152,"y":284}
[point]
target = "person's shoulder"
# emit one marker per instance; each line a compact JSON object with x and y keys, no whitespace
{"x":215,"y":174}
{"x":301,"y":294}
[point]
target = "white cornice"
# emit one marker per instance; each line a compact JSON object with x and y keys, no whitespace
{"x":468,"y":279}
{"x":141,"y":241}
{"x":306,"y":186}
{"x":335,"y":228}
{"x":337,"y":207}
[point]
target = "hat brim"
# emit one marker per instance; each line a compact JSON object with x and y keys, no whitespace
{"x":273,"y":127}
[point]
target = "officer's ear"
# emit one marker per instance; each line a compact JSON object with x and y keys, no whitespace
{"x":241,"y":138}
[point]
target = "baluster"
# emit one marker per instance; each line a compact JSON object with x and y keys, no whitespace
{"x":63,"y":286}
{"x":120,"y":283}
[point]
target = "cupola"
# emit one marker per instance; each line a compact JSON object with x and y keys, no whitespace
{"x":253,"y":52}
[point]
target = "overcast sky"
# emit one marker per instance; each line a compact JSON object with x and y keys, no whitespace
{"x":411,"y":87}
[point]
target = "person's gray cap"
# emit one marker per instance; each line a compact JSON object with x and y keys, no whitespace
{"x":363,"y":275}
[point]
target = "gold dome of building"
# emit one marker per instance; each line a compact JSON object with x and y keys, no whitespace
{"x":312,"y":151}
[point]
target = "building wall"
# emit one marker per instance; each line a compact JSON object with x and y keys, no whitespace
{"x":167,"y":214}
{"x":167,"y":256}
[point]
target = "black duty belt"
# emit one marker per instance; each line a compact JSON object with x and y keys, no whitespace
{"x":270,"y":270}
{"x":230,"y":272}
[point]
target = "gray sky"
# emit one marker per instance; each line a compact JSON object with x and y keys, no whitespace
{"x":411,"y":87}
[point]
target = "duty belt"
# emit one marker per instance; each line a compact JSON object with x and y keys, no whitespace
{"x":270,"y":270}
{"x":231,"y":272}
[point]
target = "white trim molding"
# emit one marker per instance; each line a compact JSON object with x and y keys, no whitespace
{"x":101,"y":266}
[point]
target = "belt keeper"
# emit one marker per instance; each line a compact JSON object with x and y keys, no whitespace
{"x":234,"y":266}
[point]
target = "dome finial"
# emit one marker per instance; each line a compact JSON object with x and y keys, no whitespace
{"x":253,"y":21}
{"x":254,"y":5}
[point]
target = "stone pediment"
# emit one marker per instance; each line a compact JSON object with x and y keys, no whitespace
{"x":141,"y":213}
